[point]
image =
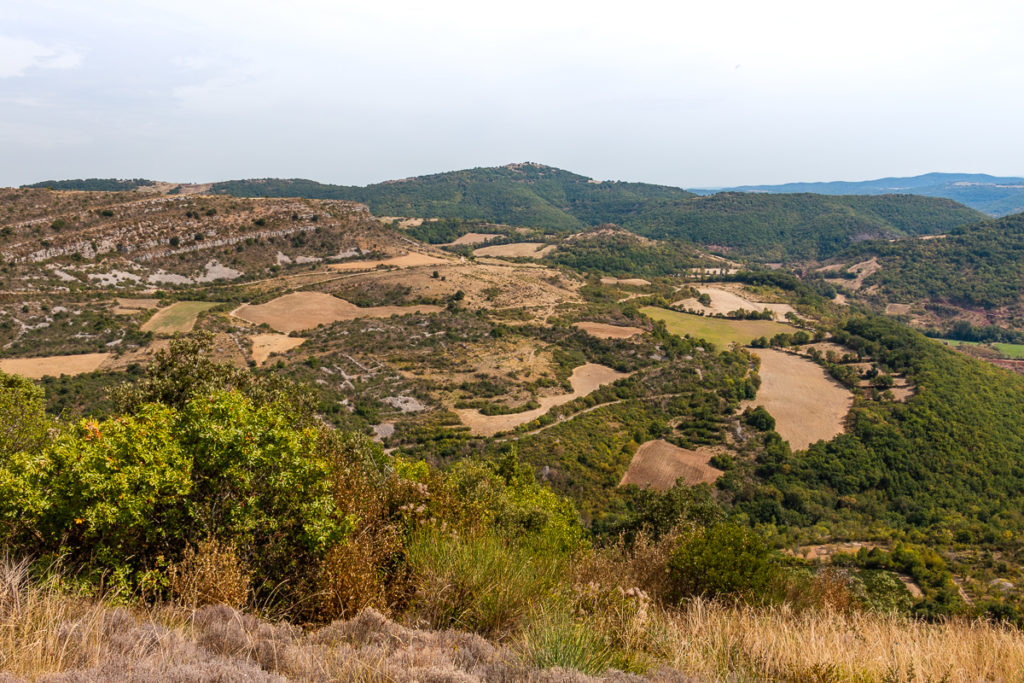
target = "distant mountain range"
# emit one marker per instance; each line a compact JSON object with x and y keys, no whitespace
{"x":993,"y":195}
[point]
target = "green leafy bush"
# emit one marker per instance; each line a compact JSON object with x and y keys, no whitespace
{"x":722,"y":560}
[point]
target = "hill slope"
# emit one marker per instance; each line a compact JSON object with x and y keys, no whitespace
{"x":996,"y":196}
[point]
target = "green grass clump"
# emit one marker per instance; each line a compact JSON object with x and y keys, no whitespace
{"x":719,"y":331}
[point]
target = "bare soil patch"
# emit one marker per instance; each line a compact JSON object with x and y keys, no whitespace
{"x":306,"y":310}
{"x":178,"y":317}
{"x":807,"y":404}
{"x":472,"y":238}
{"x":516,"y":249}
{"x":585,"y":379}
{"x":606,"y":331}
{"x":725,"y":301}
{"x":410,"y":260}
{"x":863,"y":270}
{"x":265,"y":344}
{"x":897,"y":309}
{"x":631,"y":281}
{"x":659,"y":464}
{"x":54,"y":366}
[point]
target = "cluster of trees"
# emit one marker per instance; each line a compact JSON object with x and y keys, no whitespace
{"x":94,"y":184}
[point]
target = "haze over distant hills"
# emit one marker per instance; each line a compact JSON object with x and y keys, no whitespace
{"x":996,"y":196}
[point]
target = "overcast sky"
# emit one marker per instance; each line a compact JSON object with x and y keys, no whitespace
{"x":690,"y":94}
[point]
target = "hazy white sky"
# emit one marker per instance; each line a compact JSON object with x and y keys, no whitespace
{"x":690,"y":94}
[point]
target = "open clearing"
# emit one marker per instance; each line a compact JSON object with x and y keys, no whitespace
{"x":410,"y":260}
{"x":863,"y":270}
{"x":472,"y":238}
{"x":631,"y":281}
{"x":606,"y":331}
{"x":516,"y":249}
{"x":807,"y":404}
{"x":129,"y":306}
{"x":179,"y":317}
{"x":305,"y":310}
{"x":725,"y":301}
{"x":585,"y":379}
{"x":719,"y":331}
{"x":658,"y":464}
{"x":1013,"y":351}
{"x":53,"y":366}
{"x":265,"y":344}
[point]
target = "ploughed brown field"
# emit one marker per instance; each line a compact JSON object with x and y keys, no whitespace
{"x":659,"y":464}
{"x":606,"y":331}
{"x":807,"y":404}
{"x":306,"y":310}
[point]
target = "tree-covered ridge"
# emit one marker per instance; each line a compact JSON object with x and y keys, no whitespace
{"x":782,"y":227}
{"x":979,"y":265}
{"x":518,"y":194}
{"x":94,"y":184}
{"x":768,"y":227}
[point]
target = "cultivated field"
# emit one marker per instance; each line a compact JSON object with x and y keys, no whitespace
{"x":631,"y":281}
{"x":585,"y":379}
{"x":606,"y":331}
{"x":178,"y":317}
{"x":53,"y":366}
{"x":306,"y":310}
{"x":517,"y":249}
{"x":124,"y":306}
{"x":725,"y":301}
{"x":472,"y":238}
{"x":806,"y":403}
{"x":410,"y":260}
{"x":659,"y":464}
{"x":719,"y":331}
{"x":265,"y":344}
{"x":1012,"y":351}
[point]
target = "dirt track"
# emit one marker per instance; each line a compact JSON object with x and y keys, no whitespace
{"x":585,"y":379}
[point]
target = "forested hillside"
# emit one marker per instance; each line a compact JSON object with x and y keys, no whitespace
{"x":980,"y":265}
{"x":765,"y":227}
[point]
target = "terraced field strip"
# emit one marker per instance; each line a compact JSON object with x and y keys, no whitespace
{"x":807,"y":404}
{"x":606,"y":331}
{"x":409,"y":260}
{"x":178,"y":317}
{"x":305,"y":310}
{"x":659,"y":464}
{"x":719,"y":331}
{"x":54,"y":366}
{"x":516,"y":249}
{"x":585,"y":380}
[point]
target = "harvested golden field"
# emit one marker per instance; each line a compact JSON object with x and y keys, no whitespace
{"x":631,"y":281}
{"x":807,"y":404}
{"x":725,"y":300}
{"x":265,"y":344}
{"x":606,"y":331}
{"x":472,"y":238}
{"x":719,"y":331}
{"x":305,"y":310}
{"x":410,"y":260}
{"x":54,"y":366}
{"x":516,"y":250}
{"x":178,"y":317}
{"x":659,"y":464}
{"x":585,"y":379}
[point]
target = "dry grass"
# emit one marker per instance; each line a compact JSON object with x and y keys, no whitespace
{"x":263,"y":345}
{"x":178,"y":317}
{"x":47,"y":634}
{"x":516,"y":250}
{"x":305,"y":310}
{"x":211,"y":574}
{"x":659,"y":464}
{"x":606,"y":331}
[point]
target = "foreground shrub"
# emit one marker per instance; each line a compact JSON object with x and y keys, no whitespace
{"x":722,"y":560}
{"x":480,"y":582}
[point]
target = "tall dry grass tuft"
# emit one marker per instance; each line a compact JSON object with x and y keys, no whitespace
{"x":211,"y":574}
